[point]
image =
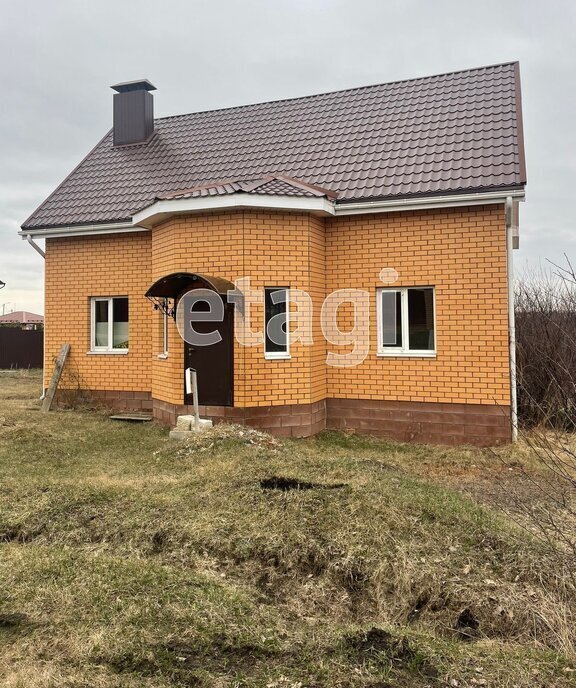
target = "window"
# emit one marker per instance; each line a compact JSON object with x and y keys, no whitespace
{"x":109,"y":325}
{"x":276,"y":338}
{"x":165,"y":317}
{"x":406,"y":320}
{"x":165,"y":330}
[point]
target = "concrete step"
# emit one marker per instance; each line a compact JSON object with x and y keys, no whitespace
{"x":187,"y":426}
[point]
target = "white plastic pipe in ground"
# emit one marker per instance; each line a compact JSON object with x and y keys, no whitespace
{"x":192,"y":388}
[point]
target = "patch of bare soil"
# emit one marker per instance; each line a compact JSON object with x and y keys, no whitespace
{"x":491,"y":480}
{"x":285,"y":484}
{"x":399,"y":651}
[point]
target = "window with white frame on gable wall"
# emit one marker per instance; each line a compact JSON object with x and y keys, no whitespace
{"x":406,"y":321}
{"x":109,"y":325}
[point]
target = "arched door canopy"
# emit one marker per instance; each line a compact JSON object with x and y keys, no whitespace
{"x":172,"y":286}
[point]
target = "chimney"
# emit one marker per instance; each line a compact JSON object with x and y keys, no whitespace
{"x":133,"y":112}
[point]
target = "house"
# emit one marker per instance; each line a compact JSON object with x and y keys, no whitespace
{"x":22,"y":319}
{"x":375,"y":224}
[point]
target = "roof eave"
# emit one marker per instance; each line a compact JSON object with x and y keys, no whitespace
{"x":79,"y":230}
{"x":453,"y":200}
{"x":161,"y":210}
{"x":157,"y":212}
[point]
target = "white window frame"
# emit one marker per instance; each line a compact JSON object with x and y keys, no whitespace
{"x":164,"y":354}
{"x":165,"y":331}
{"x":278,"y":355}
{"x":105,"y":349}
{"x":404,"y":350}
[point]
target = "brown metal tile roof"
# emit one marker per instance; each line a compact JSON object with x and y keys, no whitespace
{"x":273,"y":185}
{"x":452,"y":133}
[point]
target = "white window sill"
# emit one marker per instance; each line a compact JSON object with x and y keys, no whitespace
{"x":109,"y":352}
{"x":407,"y":354}
{"x":277,"y":357}
{"x":162,"y":357}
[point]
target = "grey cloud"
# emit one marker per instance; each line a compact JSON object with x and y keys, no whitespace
{"x":57,"y":60}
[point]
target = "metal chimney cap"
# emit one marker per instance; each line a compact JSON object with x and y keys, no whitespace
{"x":138,"y":85}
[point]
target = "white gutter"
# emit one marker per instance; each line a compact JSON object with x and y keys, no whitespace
{"x":81,"y":230}
{"x":511,"y":319}
{"x":454,"y":200}
{"x":35,"y":246}
{"x":160,"y":210}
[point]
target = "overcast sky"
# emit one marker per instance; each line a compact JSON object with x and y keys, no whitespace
{"x":59,"y":57}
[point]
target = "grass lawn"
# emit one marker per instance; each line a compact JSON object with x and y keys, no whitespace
{"x":128,"y":560}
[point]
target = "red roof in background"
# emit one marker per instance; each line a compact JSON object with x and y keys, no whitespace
{"x":452,"y":133}
{"x":21,"y":317}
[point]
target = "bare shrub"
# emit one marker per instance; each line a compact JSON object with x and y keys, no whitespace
{"x":72,"y":391}
{"x":545,"y":310}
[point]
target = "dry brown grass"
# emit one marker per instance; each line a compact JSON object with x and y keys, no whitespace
{"x":131,"y":561}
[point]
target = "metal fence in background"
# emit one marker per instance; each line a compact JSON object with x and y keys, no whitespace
{"x":21,"y":348}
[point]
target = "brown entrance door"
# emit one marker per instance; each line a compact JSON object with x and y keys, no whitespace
{"x":214,"y":363}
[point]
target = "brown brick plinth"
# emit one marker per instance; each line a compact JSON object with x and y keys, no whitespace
{"x":422,"y":422}
{"x":290,"y":420}
{"x":117,"y":400}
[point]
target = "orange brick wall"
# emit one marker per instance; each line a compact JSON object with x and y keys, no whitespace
{"x":273,"y":249}
{"x":279,"y":250}
{"x":317,"y":250}
{"x":208,"y":244}
{"x":462,"y":252}
{"x":78,"y":268}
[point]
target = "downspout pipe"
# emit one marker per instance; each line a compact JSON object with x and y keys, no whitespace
{"x":35,"y":246}
{"x":511,"y":319}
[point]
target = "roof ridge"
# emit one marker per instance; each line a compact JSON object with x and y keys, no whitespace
{"x":299,"y":184}
{"x":340,"y":90}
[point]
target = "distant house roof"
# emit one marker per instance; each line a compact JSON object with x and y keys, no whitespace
{"x":452,"y":133}
{"x":22,"y":318}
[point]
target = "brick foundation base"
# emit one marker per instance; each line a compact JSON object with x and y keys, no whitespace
{"x":422,"y":422}
{"x":113,"y":399}
{"x":292,"y":420}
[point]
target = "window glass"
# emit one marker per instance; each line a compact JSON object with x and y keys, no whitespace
{"x":101,"y":323}
{"x":391,"y":318}
{"x":165,"y":326}
{"x":421,"y":319}
{"x":275,"y":307}
{"x":110,"y":322}
{"x":120,"y":323}
{"x":406,"y":320}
